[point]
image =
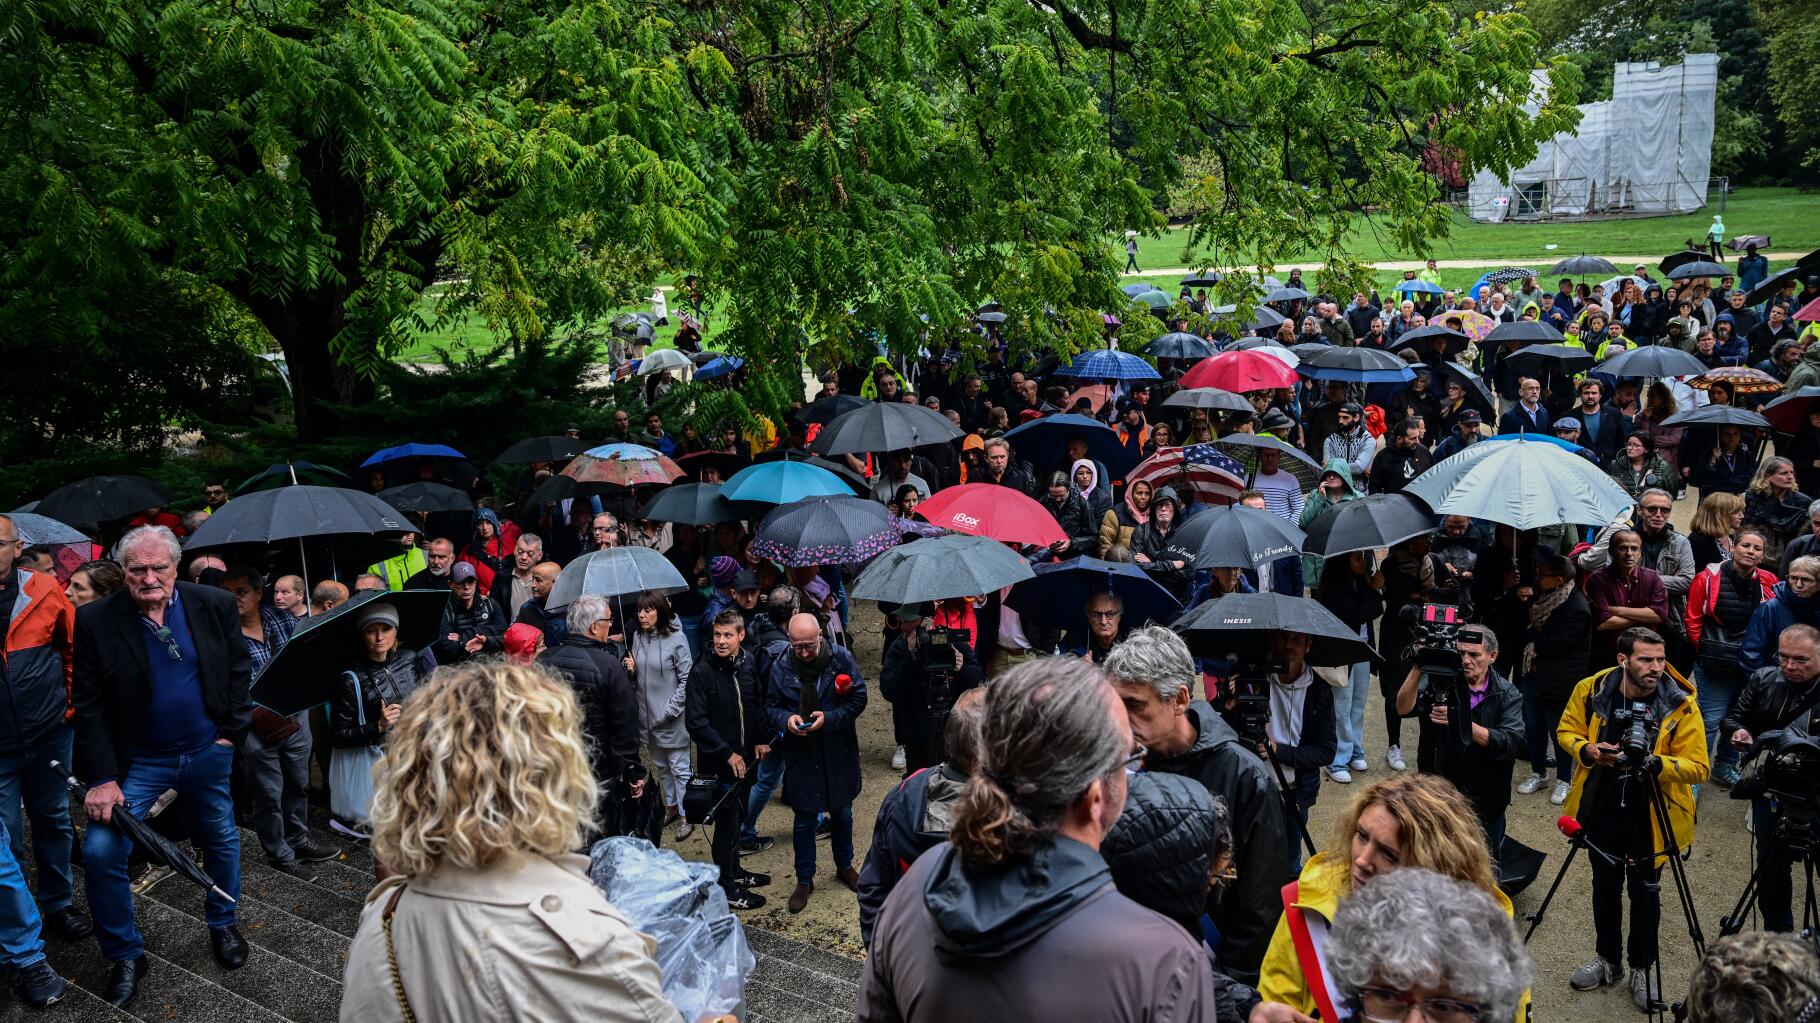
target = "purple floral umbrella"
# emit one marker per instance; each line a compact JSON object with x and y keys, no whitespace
{"x":825,"y":531}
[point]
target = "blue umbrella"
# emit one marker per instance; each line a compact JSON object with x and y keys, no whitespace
{"x":1525,"y":482}
{"x":624,"y":452}
{"x":1420,"y":287}
{"x":413,"y":450}
{"x":1108,"y":364}
{"x":783,"y":482}
{"x":1058,"y":594}
{"x":719,"y":367}
{"x":1044,"y":443}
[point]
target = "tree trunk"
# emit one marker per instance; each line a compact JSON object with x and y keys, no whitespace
{"x":305,"y":327}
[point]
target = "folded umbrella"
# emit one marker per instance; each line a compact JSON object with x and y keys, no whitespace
{"x":1524,"y":332}
{"x":405,"y":452}
{"x":98,"y":499}
{"x":1210,"y":398}
{"x":783,"y":482}
{"x":1356,"y":365}
{"x":1239,"y":371}
{"x":1652,"y":361}
{"x":1245,"y":623}
{"x":1210,"y":476}
{"x":1718,"y":415}
{"x":622,"y":465}
{"x":884,"y":426}
{"x":287,"y":474}
{"x":303,"y":673}
{"x":991,"y":511}
{"x":826,"y":410}
{"x":691,"y":504}
{"x":1108,"y":364}
{"x":1178,"y":345}
{"x":1058,"y":594}
{"x":1239,"y":537}
{"x":540,"y":449}
{"x":1517,"y":866}
{"x":1789,"y":412}
{"x":1537,"y":360}
{"x":1524,"y":482}
{"x":825,"y":531}
{"x":146,"y":842}
{"x":1044,"y":443}
{"x":424,"y":496}
{"x":615,"y":572}
{"x":955,"y":565}
{"x":1366,"y":523}
{"x":1579,"y":265}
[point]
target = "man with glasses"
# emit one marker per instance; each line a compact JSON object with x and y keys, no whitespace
{"x":214,"y":495}
{"x":1778,"y":696}
{"x":1666,"y":551}
{"x":1795,"y":601}
{"x":160,"y":693}
{"x":814,"y":698}
{"x":1105,"y":614}
{"x":603,"y":533}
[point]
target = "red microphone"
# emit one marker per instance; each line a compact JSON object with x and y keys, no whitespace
{"x":1569,"y":827}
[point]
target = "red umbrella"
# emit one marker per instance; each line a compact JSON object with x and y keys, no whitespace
{"x":989,"y":510}
{"x":1808,"y":313}
{"x":1240,"y":371}
{"x":622,"y":465}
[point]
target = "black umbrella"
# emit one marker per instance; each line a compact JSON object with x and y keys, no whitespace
{"x":1518,"y":866}
{"x":1539,"y":359}
{"x":1697,"y":268}
{"x":1058,"y":595}
{"x":1478,"y":396}
{"x":1286,"y":295}
{"x":274,"y":516}
{"x":1178,"y":345}
{"x":1789,"y":412}
{"x":303,"y":673}
{"x":1243,"y":446}
{"x":1262,"y":316}
{"x":541,"y":449}
{"x":1581,"y":265}
{"x":1718,"y":415}
{"x":1653,"y":361}
{"x":98,"y":499}
{"x":884,"y":426}
{"x":691,"y":504}
{"x":1800,"y":273}
{"x":1366,"y":523}
{"x":1210,"y":398}
{"x":424,"y":496}
{"x":1239,"y":537}
{"x":151,"y":844}
{"x":825,"y":531}
{"x":1244,"y":623}
{"x":826,"y":410}
{"x":289,"y":474}
{"x":852,"y":479}
{"x":954,"y":565}
{"x":1455,"y":341}
{"x":1675,"y":261}
{"x":1204,"y":279}
{"x":724,"y":462}
{"x":1524,"y":331}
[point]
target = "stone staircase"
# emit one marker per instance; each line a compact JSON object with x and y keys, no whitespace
{"x":299,"y":933}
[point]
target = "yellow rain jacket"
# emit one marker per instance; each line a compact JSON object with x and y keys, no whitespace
{"x":1680,"y":742}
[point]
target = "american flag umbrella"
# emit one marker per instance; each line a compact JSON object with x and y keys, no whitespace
{"x":622,"y":465}
{"x":1240,"y":371}
{"x":1212,"y":476}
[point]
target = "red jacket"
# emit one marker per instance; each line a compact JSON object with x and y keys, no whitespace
{"x":36,"y":661}
{"x":1703,"y":596}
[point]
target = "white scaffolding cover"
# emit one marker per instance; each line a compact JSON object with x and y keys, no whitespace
{"x":1647,"y":150}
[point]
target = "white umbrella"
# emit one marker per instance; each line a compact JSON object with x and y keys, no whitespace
{"x":664,"y":359}
{"x":1524,"y":482}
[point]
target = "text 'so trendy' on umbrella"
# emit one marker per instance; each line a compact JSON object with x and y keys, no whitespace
{"x":690,"y":504}
{"x":1718,"y":415}
{"x":825,"y":531}
{"x":1178,"y":345}
{"x":991,"y":511}
{"x":783,"y":482}
{"x":99,"y":499}
{"x":425,"y":496}
{"x":1058,"y":594}
{"x":404,"y":452}
{"x":1245,"y":623}
{"x":1789,"y":412}
{"x":1239,"y":537}
{"x":295,"y":513}
{"x":1652,"y":361}
{"x":303,"y":673}
{"x":615,"y":572}
{"x":33,"y":529}
{"x":1356,"y":365}
{"x":1210,"y":398}
{"x":622,"y":465}
{"x":540,"y":449}
{"x":884,"y":426}
{"x":1240,"y":371}
{"x":1367,"y":523}
{"x":1044,"y":443}
{"x":1523,"y":482}
{"x":937,"y":568}
{"x":1108,"y":364}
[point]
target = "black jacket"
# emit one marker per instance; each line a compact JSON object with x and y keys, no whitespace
{"x":1768,"y":701}
{"x":1017,"y":476}
{"x":1482,"y":772}
{"x":1394,"y":467}
{"x":482,"y":618}
{"x":902,"y":681}
{"x":111,"y":688}
{"x":724,"y":712}
{"x":366,"y":694}
{"x":423,"y":580}
{"x":1247,"y":914}
{"x":1076,"y":521}
{"x":609,"y":705}
{"x":898,"y":836}
{"x":1563,"y":648}
{"x":1161,"y":549}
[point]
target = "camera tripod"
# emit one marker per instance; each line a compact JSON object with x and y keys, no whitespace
{"x":1803,"y":849}
{"x":1657,"y":810}
{"x":1249,"y":684}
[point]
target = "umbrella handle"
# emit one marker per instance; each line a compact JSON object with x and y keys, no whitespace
{"x":69,"y":779}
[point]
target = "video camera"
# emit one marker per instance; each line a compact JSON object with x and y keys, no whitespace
{"x":1434,"y":648}
{"x":1249,"y":686}
{"x":1789,"y":774}
{"x":1639,"y":736}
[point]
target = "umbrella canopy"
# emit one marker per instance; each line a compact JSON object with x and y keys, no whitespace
{"x":825,"y":531}
{"x":1475,"y":325}
{"x":1044,"y":442}
{"x":940,"y":567}
{"x":1244,"y":623}
{"x":622,"y":465}
{"x":1286,"y":295}
{"x":1478,"y":396}
{"x":1178,"y":345}
{"x":1772,"y":285}
{"x":853,"y":479}
{"x":1455,"y":342}
{"x":1356,"y":365}
{"x":1507,"y":274}
{"x":405,"y":452}
{"x":1262,"y":316}
{"x":1376,"y":520}
{"x":34,"y":529}
{"x":1744,"y":241}
{"x":1653,"y":361}
{"x":992,"y":316}
{"x":1675,"y":260}
{"x":1108,"y":364}
{"x":697,"y":463}
{"x":1058,"y":594}
{"x":1239,"y":537}
{"x":1275,"y":349}
{"x":1697,"y":268}
{"x":1524,"y":482}
{"x":1210,"y":398}
{"x":1718,"y":415}
{"x":1789,"y":413}
{"x":719,"y":367}
{"x":615,"y":572}
{"x":783,"y":482}
{"x":1537,"y":360}
{"x":148,"y":843}
{"x":1204,"y":279}
{"x":1243,"y":448}
{"x":1420,"y":287}
{"x":302,"y":674}
{"x":1525,"y":332}
{"x":540,"y":449}
{"x":991,"y":511}
{"x":424,"y":496}
{"x":1741,"y":379}
{"x":1097,"y":396}
{"x":285,"y":474}
{"x":1808,"y":313}
{"x":884,"y":426}
{"x":1153,"y":298}
{"x":826,"y":410}
{"x":691,"y":504}
{"x":664,"y":360}
{"x":1581,"y":265}
{"x":98,"y":499}
{"x":1134,"y":290}
{"x":1198,"y":473}
{"x":1239,"y":371}
{"x":293,"y":513}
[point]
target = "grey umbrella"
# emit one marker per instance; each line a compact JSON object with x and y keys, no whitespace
{"x":1239,"y":537}
{"x":1582,"y":265}
{"x":36,"y":529}
{"x":615,"y":572}
{"x":1210,"y":398}
{"x":1718,"y":415}
{"x":884,"y":426}
{"x":1697,"y":268}
{"x":954,"y":565}
{"x":1522,"y":483}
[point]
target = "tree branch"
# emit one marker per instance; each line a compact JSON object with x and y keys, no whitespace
{"x":1086,"y":34}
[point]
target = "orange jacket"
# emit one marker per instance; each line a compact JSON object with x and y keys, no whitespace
{"x":36,"y":662}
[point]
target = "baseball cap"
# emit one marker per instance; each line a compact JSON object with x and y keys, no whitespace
{"x":723,"y":570}
{"x":1351,"y":408}
{"x":1470,"y":417}
{"x":377,"y":611}
{"x":745,"y":580}
{"x":462,"y":572}
{"x":1566,"y":423}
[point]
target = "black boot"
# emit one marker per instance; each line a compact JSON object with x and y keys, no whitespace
{"x":229,"y":947}
{"x":123,"y":983}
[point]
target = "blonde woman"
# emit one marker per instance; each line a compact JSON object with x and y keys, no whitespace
{"x":1409,"y":820}
{"x":1710,"y":533}
{"x":484,"y":790}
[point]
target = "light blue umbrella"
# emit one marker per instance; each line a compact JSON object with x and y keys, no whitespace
{"x":783,"y":482}
{"x":615,"y":572}
{"x":1525,"y":482}
{"x":719,"y":367}
{"x":1108,"y":364}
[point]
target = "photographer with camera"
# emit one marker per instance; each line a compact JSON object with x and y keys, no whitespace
{"x":1638,"y":735}
{"x":1480,"y":758}
{"x":1298,"y":732}
{"x":925,"y":668}
{"x":1779,"y":697}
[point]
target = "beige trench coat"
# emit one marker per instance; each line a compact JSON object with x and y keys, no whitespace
{"x":529,"y":940}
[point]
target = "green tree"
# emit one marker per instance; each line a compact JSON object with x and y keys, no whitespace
{"x":1793,"y":28}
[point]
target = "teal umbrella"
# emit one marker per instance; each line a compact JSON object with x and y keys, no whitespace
{"x":1523,"y":483}
{"x":1153,"y":298}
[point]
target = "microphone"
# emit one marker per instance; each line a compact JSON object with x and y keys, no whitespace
{"x":1568,"y":826}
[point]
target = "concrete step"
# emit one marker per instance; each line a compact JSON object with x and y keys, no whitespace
{"x":78,"y":1006}
{"x":797,"y":981}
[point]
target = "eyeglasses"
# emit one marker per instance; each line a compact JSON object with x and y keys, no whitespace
{"x":163,"y":633}
{"x":1135,"y":758}
{"x":1383,"y":1005}
{"x":1104,"y":616}
{"x":808,"y":644}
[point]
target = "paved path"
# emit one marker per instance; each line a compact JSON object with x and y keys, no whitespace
{"x":1444,"y":264}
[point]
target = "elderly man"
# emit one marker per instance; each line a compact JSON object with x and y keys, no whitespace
{"x":814,"y":699}
{"x":160,"y":692}
{"x":366,"y":581}
{"x":609,"y":707}
{"x":527,"y":553}
{"x":434,"y":575}
{"x":401,"y":569}
{"x":1105,"y":614}
{"x":535,"y":611}
{"x":1154,"y":676}
{"x":1774,"y":698}
{"x":1528,"y":415}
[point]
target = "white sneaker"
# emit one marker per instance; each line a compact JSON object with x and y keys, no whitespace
{"x":1559,"y":795}
{"x":1531,"y":784}
{"x":1394,"y":757}
{"x":1593,"y":975}
{"x":897,"y":759}
{"x":1340,"y":775}
{"x":1361,"y":764}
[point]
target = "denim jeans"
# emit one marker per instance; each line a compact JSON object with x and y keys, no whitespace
{"x":20,"y":942}
{"x":1715,"y":698}
{"x":768,"y":777}
{"x":802,"y":841}
{"x":691,"y":630}
{"x":28,"y":776}
{"x":201,"y":778}
{"x":1349,"y":715}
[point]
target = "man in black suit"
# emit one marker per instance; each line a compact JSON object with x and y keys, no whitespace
{"x":1527,"y":415}
{"x":160,"y":694}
